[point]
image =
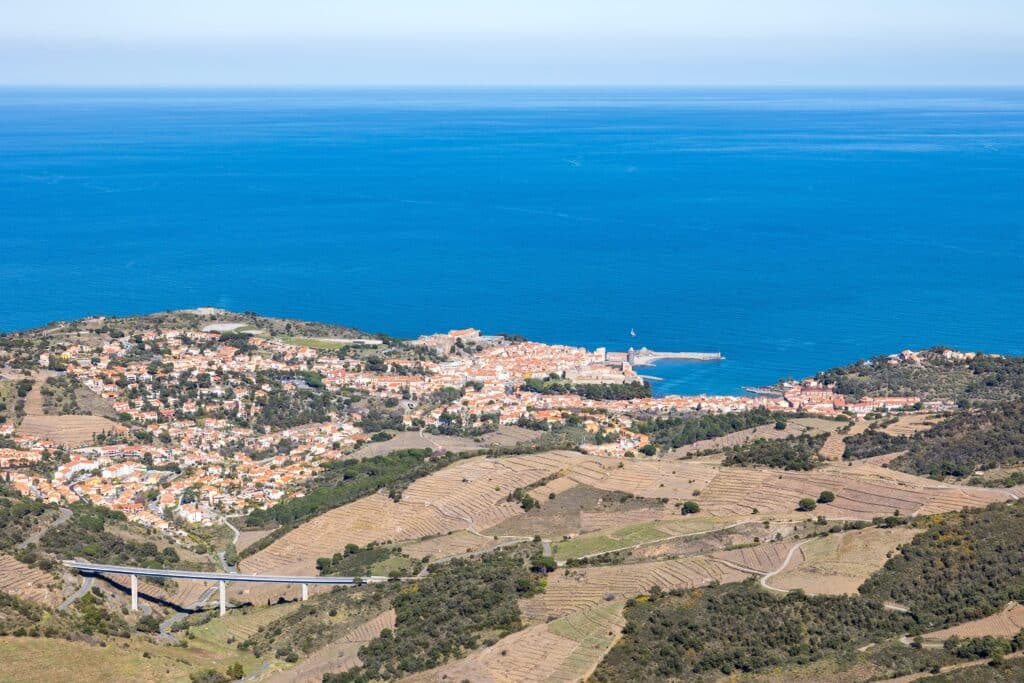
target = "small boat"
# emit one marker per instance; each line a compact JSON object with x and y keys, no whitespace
{"x":632,"y":332}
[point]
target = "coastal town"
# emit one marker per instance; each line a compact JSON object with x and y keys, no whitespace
{"x":199,"y":435}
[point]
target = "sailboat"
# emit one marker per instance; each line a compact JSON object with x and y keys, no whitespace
{"x":632,"y":332}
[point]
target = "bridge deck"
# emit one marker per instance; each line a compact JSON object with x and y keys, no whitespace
{"x":90,"y":568}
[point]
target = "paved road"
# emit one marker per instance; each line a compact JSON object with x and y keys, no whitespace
{"x":166,"y":624}
{"x":90,"y":568}
{"x":82,"y":590}
{"x":62,"y":518}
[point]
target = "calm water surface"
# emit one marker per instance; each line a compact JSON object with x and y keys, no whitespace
{"x":792,"y":230}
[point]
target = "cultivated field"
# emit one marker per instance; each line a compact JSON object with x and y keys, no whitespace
{"x":447,"y":545}
{"x":470,"y":494}
{"x":759,"y":559}
{"x":578,"y":510}
{"x":730,"y":534}
{"x":617,"y":538}
{"x":506,"y":436}
{"x":28,"y":583}
{"x":840,"y":563}
{"x":340,"y":655}
{"x":564,"y":650}
{"x":908,"y":425}
{"x":835,"y":445}
{"x":1005,"y":624}
{"x":768,"y":431}
{"x":68,"y":430}
{"x":570,"y":590}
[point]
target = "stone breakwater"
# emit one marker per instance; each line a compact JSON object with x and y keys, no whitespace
{"x":645,"y":356}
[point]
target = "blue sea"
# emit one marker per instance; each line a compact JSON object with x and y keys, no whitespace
{"x":792,"y":230}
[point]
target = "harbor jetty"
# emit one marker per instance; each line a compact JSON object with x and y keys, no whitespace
{"x":645,"y":356}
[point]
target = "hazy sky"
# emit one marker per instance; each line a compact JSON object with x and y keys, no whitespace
{"x":487,"y":42}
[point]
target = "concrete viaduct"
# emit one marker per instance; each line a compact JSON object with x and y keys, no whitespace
{"x":222,"y":578}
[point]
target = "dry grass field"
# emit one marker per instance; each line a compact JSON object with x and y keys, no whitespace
{"x":839,"y":563}
{"x":46,"y":660}
{"x":247,"y":537}
{"x":28,"y":583}
{"x":239,"y":624}
{"x":403,"y":440}
{"x":567,"y":649}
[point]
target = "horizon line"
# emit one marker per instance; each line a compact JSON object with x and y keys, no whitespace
{"x":512,"y":86}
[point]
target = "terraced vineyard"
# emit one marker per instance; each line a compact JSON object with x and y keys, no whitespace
{"x":575,"y":589}
{"x":1005,"y":624}
{"x":565,"y":650}
{"x":339,"y":655}
{"x":768,"y":431}
{"x":470,"y":494}
{"x":28,"y":583}
{"x":70,"y":430}
{"x":447,"y":545}
{"x":465,"y":509}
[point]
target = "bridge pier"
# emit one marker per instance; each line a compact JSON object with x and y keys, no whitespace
{"x":221,"y":579}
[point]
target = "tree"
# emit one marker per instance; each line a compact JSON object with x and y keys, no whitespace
{"x":542,"y":563}
{"x":235,"y":671}
{"x":807,"y":504}
{"x":826,"y":497}
{"x":690,"y":507}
